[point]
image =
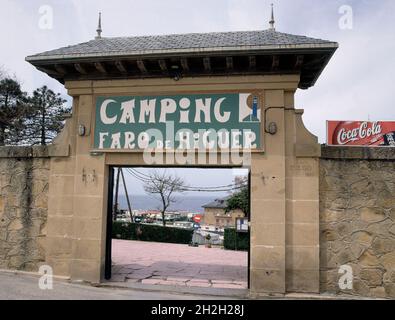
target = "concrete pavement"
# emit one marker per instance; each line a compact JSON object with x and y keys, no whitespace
{"x":15,"y":286}
{"x":178,"y":265}
{"x":25,"y":287}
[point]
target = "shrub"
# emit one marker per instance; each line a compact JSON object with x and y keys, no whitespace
{"x":236,"y":241}
{"x":151,"y":233}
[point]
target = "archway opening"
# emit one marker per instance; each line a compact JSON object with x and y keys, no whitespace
{"x":180,"y":227}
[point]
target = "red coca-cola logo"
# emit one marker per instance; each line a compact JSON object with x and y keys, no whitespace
{"x":361,"y":133}
{"x":355,"y":131}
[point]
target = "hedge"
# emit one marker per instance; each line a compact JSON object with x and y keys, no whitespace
{"x":151,"y":233}
{"x":236,"y":241}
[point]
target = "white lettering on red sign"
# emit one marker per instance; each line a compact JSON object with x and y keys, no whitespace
{"x":364,"y":131}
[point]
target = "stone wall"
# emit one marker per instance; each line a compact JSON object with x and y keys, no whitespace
{"x":24,"y":174}
{"x":357,"y":214}
{"x":357,"y":219}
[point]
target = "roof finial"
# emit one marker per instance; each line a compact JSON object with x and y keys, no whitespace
{"x":99,"y":29}
{"x":272,"y":21}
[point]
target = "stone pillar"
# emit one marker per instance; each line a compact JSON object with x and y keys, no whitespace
{"x":285,"y":203}
{"x":268,"y":205}
{"x":89,"y":201}
{"x":302,"y":206}
{"x":61,"y":202}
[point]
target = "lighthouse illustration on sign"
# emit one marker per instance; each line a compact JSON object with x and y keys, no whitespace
{"x":249,"y":108}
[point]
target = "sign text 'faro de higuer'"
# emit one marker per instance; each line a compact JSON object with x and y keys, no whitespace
{"x":187,"y":122}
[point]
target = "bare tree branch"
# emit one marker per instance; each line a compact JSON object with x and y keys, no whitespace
{"x":165,"y":186}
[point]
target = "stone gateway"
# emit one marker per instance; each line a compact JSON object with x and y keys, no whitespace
{"x":313,"y":209}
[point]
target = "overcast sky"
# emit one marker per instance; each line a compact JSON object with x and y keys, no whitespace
{"x":192,"y":178}
{"x":357,"y":84}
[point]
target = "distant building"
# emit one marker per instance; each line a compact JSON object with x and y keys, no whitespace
{"x":215,"y":214}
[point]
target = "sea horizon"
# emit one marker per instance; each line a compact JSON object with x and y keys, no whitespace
{"x":183,"y":203}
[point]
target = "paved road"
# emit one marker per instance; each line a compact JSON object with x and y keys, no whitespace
{"x":23,"y":287}
{"x":163,"y":264}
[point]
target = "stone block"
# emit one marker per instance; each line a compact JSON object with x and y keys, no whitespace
{"x":357,"y":249}
{"x":374,"y":277}
{"x":59,"y":247}
{"x":390,"y":289}
{"x":15,"y":225}
{"x":380,"y":229}
{"x":302,"y":234}
{"x":382,"y":246}
{"x":360,"y":287}
{"x":378,"y":292}
{"x":362,"y":237}
{"x":303,"y":188}
{"x":307,"y":150}
{"x":60,"y":205}
{"x":344,"y":228}
{"x":263,"y":165}
{"x":385,"y":199}
{"x":328,"y":234}
{"x":61,"y":185}
{"x":87,"y":228}
{"x":269,"y":188}
{"x":90,"y":164}
{"x":40,"y":201}
{"x":86,"y":249}
{"x":59,"y":226}
{"x":329,"y":215}
{"x":86,"y":270}
{"x":329,"y":281}
{"x":302,"y":211}
{"x":88,"y":207}
{"x":302,"y":258}
{"x":388,"y":261}
{"x":267,"y":257}
{"x":59,"y":150}
{"x":92,"y":186}
{"x":268,"y":281}
{"x":389,"y":276}
{"x":63,"y":166}
{"x":307,"y":281}
{"x":268,"y":211}
{"x":267,"y":234}
{"x":372,"y":214}
{"x":61,"y":267}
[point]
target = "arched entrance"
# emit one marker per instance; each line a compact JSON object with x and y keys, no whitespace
{"x":246,"y":88}
{"x":168,"y":261}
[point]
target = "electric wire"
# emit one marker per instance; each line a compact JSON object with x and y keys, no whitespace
{"x":231,"y":187}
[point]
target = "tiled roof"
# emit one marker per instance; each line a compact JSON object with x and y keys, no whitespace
{"x":178,"y":43}
{"x":218,"y":203}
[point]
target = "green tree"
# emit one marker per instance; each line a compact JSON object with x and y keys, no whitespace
{"x":12,"y":110}
{"x":45,"y":118}
{"x":239,"y":200}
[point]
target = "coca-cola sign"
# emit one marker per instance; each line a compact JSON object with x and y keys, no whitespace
{"x":361,"y":133}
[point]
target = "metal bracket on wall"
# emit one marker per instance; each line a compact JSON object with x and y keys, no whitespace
{"x":265,"y":119}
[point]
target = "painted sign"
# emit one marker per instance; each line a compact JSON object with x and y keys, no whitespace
{"x":197,"y":218}
{"x":187,"y":122}
{"x":242,"y":225}
{"x":361,"y":133}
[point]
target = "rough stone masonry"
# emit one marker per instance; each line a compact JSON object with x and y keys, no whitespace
{"x":357,"y":219}
{"x":357,"y":215}
{"x":24,"y":174}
